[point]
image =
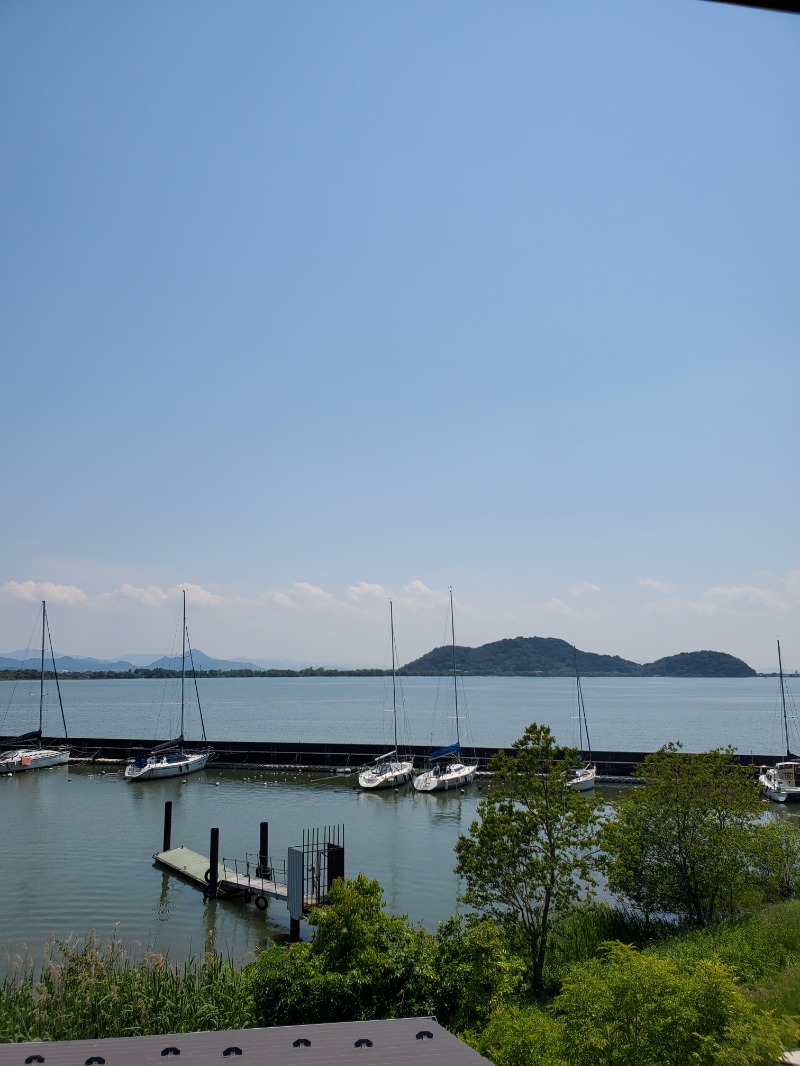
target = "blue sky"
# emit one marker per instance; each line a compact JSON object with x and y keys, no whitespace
{"x":307,"y":304}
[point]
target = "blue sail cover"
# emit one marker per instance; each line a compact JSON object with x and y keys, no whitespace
{"x":440,"y":753}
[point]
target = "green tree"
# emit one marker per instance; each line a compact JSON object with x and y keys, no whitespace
{"x":531,"y":856}
{"x":627,"y":1007}
{"x":362,"y":963}
{"x":776,"y":859}
{"x":683,"y":843}
{"x":476,"y":972}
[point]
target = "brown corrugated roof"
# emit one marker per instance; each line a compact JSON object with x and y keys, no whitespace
{"x":395,"y":1042}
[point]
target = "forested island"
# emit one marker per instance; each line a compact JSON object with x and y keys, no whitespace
{"x":517,"y":657}
{"x":551,"y":657}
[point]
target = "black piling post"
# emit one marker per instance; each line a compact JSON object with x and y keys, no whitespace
{"x":213,"y":869}
{"x":294,"y":928}
{"x":263,"y":852}
{"x":167,"y":825}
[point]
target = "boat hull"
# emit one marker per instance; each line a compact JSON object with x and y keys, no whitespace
{"x":454,"y":775}
{"x":385,"y":775}
{"x":779,"y":783}
{"x":157,"y":766}
{"x":15,"y":762}
{"x":583,"y":779}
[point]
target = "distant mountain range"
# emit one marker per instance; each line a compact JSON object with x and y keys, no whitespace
{"x":517,"y":657}
{"x":66,"y":664}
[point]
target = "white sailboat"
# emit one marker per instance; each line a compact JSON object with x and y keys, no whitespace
{"x":32,"y":756}
{"x":171,"y":759}
{"x":390,"y":770}
{"x":781,"y":782}
{"x":447,"y":770}
{"x":582,"y":778}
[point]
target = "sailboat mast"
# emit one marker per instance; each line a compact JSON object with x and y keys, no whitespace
{"x":41,"y":676}
{"x":183,"y":661}
{"x":394,"y":678}
{"x":783,"y":702}
{"x":580,"y":701}
{"x":455,"y":678}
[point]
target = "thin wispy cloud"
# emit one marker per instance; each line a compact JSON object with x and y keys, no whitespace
{"x":556,"y":606}
{"x":154,"y":596}
{"x":748,"y":595}
{"x":656,"y":585}
{"x":675,"y":607}
{"x":311,"y":593}
{"x":278,"y":597}
{"x":197,"y":595}
{"x":33,"y":591}
{"x":583,"y":588}
{"x":365,"y":591}
{"x":417,"y":596}
{"x":151,"y":596}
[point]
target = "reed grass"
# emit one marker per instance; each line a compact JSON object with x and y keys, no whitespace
{"x":94,"y":990}
{"x":581,"y":935}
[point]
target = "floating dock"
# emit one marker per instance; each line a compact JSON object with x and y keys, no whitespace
{"x":308,"y":873}
{"x":230,"y":881}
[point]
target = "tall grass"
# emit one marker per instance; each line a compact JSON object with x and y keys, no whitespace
{"x":95,"y":990}
{"x":580,"y":936}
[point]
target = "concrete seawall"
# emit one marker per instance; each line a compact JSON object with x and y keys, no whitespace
{"x":317,"y":755}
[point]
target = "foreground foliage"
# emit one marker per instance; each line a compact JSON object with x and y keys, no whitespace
{"x":531,"y":856}
{"x":704,"y":997}
{"x":364,"y":963}
{"x":626,"y":1007}
{"x":686,"y":842}
{"x":96,"y":991}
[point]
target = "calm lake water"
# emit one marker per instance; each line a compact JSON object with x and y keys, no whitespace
{"x":78,"y":841}
{"x":629,"y":714}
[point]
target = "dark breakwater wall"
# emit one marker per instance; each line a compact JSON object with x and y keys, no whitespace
{"x":320,"y":755}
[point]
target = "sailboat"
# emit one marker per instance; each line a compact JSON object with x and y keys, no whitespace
{"x":390,"y":770}
{"x":171,"y":759}
{"x":33,"y":756}
{"x":581,"y":778}
{"x":447,"y":771}
{"x":781,"y":782}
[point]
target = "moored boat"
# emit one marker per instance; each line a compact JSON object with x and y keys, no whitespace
{"x":30,"y":755}
{"x":447,"y":771}
{"x":446,"y":768}
{"x":390,"y":770}
{"x":781,"y":782}
{"x":172,"y":759}
{"x":582,"y":778}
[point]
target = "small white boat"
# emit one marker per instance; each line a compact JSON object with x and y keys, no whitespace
{"x":447,"y":770}
{"x":390,"y":770}
{"x":170,"y":759}
{"x":33,"y":756}
{"x":781,"y":782}
{"x":13,"y":762}
{"x":582,"y":778}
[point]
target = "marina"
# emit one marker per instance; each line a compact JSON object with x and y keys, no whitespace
{"x":89,"y":838}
